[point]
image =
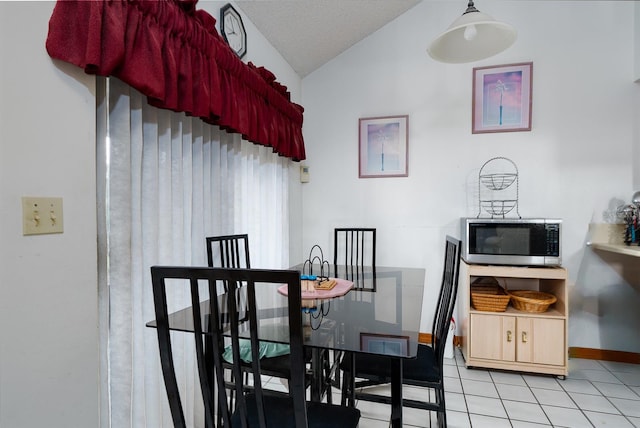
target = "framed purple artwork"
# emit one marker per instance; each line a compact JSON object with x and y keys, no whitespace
{"x":502,"y":98}
{"x":383,"y":146}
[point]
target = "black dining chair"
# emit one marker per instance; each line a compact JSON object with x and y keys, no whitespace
{"x":253,"y":406}
{"x":355,"y":250}
{"x":232,"y":251}
{"x":229,"y":251}
{"x":427,"y":369}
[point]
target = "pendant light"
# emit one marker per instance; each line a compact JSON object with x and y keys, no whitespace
{"x":472,"y":37}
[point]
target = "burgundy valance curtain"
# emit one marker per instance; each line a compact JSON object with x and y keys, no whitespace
{"x":172,"y":53}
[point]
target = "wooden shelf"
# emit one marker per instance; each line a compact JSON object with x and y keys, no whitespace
{"x":551,"y":313}
{"x":628,"y":250}
{"x":517,"y":272}
{"x":608,"y":237}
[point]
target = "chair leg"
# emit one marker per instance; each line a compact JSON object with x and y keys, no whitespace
{"x":219,"y":413}
{"x":327,"y":376}
{"x":208,"y":351}
{"x":442,"y":411}
{"x":335,"y":379}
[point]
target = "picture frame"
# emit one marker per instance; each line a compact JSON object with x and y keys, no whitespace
{"x":502,"y":98}
{"x":386,"y":344}
{"x":383,"y":146}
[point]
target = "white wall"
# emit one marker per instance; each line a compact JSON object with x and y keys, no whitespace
{"x":573,"y":163}
{"x":48,"y":295}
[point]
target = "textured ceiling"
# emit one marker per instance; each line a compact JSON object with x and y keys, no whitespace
{"x":309,"y":33}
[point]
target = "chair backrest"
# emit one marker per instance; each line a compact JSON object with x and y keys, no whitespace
{"x":221,"y":327}
{"x":228,"y":251}
{"x":355,"y":248}
{"x":446,"y":298}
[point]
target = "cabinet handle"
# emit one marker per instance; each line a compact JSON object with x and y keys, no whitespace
{"x":524,"y":337}
{"x":508,"y":335}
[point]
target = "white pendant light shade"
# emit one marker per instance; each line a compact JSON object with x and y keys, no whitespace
{"x":472,"y":37}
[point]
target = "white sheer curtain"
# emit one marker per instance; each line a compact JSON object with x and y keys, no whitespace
{"x":165,"y":182}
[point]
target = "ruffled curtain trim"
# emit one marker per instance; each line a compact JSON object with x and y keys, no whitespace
{"x":172,"y":53}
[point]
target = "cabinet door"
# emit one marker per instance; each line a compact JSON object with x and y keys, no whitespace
{"x":541,"y":341}
{"x":492,"y":337}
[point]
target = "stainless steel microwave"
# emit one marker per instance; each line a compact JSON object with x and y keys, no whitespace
{"x":520,"y":242}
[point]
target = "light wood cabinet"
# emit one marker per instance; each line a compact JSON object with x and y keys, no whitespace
{"x":515,"y":340}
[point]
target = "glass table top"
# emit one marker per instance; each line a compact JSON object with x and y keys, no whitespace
{"x":381,"y":315}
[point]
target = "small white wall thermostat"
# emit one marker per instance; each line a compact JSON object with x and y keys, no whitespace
{"x":304,"y":174}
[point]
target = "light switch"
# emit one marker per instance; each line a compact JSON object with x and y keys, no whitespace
{"x":41,"y":215}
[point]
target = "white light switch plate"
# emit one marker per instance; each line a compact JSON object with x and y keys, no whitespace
{"x":41,"y":215}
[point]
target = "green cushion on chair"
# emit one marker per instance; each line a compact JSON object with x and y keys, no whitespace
{"x":267,"y":349}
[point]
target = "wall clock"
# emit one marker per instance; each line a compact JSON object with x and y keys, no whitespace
{"x":232,"y":30}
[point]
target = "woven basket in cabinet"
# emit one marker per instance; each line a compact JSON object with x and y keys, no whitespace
{"x":531,"y":301}
{"x":487,"y":295}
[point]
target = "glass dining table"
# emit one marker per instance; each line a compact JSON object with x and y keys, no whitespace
{"x":379,"y":316}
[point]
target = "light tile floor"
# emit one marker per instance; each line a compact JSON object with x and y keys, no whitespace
{"x":594,"y":394}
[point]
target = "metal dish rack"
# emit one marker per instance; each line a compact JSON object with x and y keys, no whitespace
{"x":498,"y":174}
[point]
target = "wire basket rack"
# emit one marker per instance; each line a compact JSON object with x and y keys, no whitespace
{"x":498,"y":181}
{"x":497,"y":207}
{"x":498,"y":187}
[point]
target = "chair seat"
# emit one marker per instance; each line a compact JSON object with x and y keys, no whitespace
{"x":279,"y":366}
{"x":273,"y":366}
{"x":423,"y":368}
{"x":279,"y":413}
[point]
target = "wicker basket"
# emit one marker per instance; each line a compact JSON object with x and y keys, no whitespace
{"x":487,"y":295}
{"x":531,"y":301}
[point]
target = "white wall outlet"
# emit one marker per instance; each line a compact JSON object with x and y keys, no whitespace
{"x":41,"y":215}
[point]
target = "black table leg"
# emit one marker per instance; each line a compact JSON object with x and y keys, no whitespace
{"x":396,"y":392}
{"x":348,"y":391}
